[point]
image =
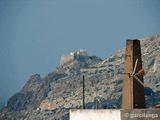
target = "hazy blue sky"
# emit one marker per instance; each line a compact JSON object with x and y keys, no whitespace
{"x":35,"y":33}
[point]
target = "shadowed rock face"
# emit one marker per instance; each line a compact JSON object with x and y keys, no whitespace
{"x":1,"y":103}
{"x":51,"y":97}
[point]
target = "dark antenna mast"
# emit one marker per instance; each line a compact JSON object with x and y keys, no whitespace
{"x":83,"y":93}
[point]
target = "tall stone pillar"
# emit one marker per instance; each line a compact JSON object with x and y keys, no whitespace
{"x":133,"y":91}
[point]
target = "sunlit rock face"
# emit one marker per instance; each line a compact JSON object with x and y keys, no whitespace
{"x":52,"y":96}
{"x":156,"y":64}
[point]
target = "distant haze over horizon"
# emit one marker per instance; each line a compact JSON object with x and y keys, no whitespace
{"x":35,"y":33}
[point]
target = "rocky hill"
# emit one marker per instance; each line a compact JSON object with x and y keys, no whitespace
{"x":1,"y":103}
{"x":51,"y":97}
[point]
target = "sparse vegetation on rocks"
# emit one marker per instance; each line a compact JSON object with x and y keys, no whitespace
{"x":51,"y":97}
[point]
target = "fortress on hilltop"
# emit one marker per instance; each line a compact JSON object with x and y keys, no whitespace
{"x":72,"y":56}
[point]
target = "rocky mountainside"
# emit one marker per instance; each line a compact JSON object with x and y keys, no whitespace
{"x":51,"y":97}
{"x":1,"y":103}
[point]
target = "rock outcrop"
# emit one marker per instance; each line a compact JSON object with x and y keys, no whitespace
{"x":51,"y":97}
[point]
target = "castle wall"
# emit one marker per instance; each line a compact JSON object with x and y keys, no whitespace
{"x":66,"y":58}
{"x":72,"y":56}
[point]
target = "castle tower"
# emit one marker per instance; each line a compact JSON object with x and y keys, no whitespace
{"x":133,"y":91}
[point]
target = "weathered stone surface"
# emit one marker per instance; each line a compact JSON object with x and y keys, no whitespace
{"x":72,"y":56}
{"x":63,"y":86}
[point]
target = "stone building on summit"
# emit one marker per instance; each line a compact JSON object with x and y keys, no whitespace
{"x":72,"y":56}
